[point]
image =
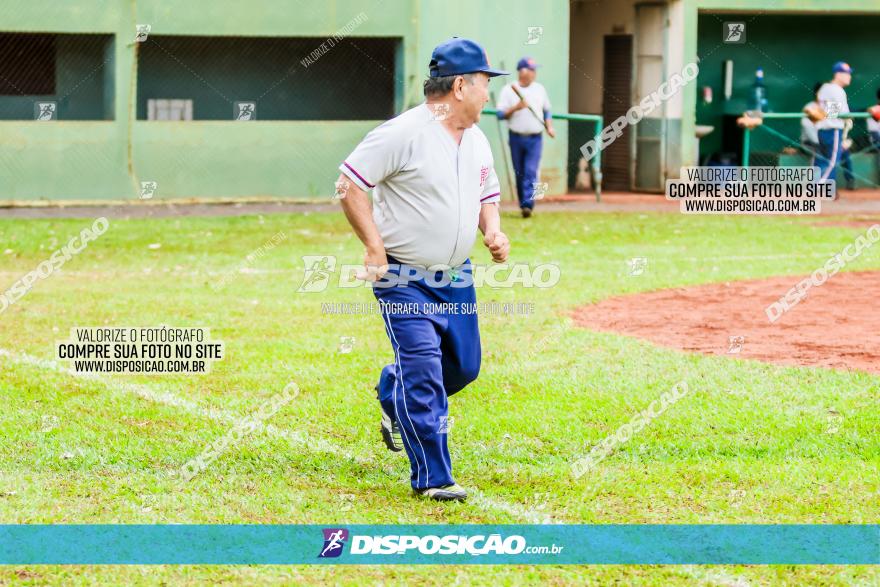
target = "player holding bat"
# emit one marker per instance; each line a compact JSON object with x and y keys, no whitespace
{"x":526,"y":107}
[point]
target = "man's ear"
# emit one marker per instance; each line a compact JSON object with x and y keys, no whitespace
{"x":457,"y":86}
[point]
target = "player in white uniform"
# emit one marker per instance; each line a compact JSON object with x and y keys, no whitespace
{"x":832,"y":99}
{"x":873,"y":122}
{"x":434,"y":183}
{"x":527,"y":118}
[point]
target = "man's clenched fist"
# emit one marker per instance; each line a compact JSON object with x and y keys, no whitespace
{"x":498,"y":245}
{"x":375,"y":265}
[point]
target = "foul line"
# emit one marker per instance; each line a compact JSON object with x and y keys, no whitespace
{"x":168,"y":398}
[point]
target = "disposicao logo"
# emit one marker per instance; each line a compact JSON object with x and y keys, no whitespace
{"x":336,"y":538}
{"x":472,"y":545}
{"x":334,"y":541}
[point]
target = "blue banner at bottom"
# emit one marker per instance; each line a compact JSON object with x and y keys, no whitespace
{"x":440,"y":544}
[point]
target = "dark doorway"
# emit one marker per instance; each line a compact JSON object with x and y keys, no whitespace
{"x":616,"y":100}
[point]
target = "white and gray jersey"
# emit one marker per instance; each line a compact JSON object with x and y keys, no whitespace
{"x":427,"y":190}
{"x":523,"y":121}
{"x":832,"y":99}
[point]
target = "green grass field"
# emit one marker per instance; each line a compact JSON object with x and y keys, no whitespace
{"x":748,"y":444}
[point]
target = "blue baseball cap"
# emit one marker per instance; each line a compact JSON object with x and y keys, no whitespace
{"x":460,"y":56}
{"x":842,"y":67}
{"x":527,"y":63}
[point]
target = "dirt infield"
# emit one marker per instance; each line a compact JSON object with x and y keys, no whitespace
{"x":836,"y":326}
{"x":853,"y":222}
{"x":853,"y":205}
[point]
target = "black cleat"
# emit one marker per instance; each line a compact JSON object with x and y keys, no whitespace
{"x":391,"y":433}
{"x":390,"y":429}
{"x":454,"y":492}
{"x":526,"y":212}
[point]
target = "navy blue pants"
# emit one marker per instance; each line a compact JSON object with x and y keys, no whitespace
{"x":875,"y":141}
{"x":846,"y":163}
{"x":436,"y":354}
{"x":830,"y":150}
{"x":525,"y":150}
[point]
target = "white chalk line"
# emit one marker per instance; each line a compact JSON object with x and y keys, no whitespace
{"x":168,"y":398}
{"x":235,"y":274}
{"x":150,"y":393}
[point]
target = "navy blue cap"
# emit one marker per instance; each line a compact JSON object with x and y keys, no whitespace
{"x":842,"y":67}
{"x":460,"y":56}
{"x":527,"y":63}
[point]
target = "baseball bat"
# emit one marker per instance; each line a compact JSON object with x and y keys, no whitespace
{"x":529,"y":108}
{"x":507,"y":171}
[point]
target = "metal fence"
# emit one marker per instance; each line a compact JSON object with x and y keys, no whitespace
{"x":780,"y":143}
{"x":574,"y":153}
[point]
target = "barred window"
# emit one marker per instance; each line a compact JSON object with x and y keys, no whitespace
{"x":74,"y":72}
{"x":271,"y":78}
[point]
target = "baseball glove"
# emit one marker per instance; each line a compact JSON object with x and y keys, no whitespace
{"x":748,"y":121}
{"x":815,"y":113}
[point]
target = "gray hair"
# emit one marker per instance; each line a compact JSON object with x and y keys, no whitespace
{"x":437,"y":87}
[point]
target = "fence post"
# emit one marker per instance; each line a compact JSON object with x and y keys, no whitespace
{"x":597,"y":160}
{"x":596,"y":163}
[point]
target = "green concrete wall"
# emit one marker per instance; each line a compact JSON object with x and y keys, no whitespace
{"x":291,"y":159}
{"x":107,"y":160}
{"x":277,"y":159}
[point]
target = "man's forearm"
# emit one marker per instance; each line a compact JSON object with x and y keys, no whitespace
{"x":506,"y":113}
{"x":490,"y":218}
{"x":359,"y":212}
